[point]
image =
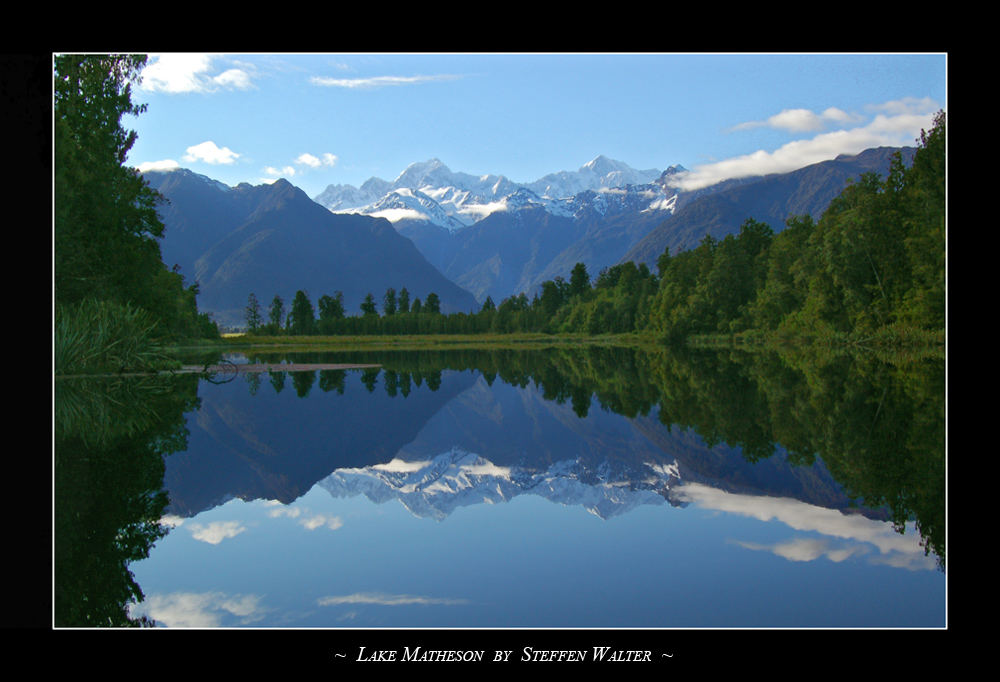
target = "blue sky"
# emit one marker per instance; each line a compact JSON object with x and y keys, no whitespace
{"x":321,"y":119}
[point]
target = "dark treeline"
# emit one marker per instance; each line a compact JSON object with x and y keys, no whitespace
{"x":112,"y":289}
{"x":875,"y":261}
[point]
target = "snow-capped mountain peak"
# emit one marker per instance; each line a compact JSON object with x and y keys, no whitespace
{"x":462,"y":199}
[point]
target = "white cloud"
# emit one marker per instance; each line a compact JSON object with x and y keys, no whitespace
{"x":233,"y":78}
{"x":277,"y":172}
{"x":907,"y":105}
{"x":796,"y":120}
{"x":312,"y":161}
{"x":209,"y":152}
{"x":217,"y":531}
{"x":377,"y":81}
{"x":900,"y":127}
{"x":394,"y":215}
{"x":801,"y":120}
{"x":164,"y":165}
{"x":180,"y":73}
{"x":308,"y":160}
{"x":840,"y":116}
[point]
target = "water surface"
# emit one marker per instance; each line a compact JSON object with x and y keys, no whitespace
{"x":600,"y":488}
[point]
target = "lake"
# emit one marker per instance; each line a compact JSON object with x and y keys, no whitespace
{"x":567,"y":488}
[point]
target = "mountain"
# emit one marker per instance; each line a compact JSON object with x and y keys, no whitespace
{"x":453,"y":199}
{"x":497,"y":238}
{"x":769,"y":199}
{"x":273,"y":239}
{"x":599,"y":173}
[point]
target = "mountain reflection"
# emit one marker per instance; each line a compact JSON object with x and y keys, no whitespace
{"x":832,"y":447}
{"x":847,"y":432}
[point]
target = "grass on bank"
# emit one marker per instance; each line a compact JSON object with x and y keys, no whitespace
{"x":102,"y":337}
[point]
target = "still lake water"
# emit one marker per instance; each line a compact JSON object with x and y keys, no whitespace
{"x":598,"y":488}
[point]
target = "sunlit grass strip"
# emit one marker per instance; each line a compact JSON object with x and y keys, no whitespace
{"x":437,"y":341}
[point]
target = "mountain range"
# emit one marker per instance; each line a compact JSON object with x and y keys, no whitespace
{"x":498,"y":238}
{"x":465,"y":237}
{"x":272,"y":239}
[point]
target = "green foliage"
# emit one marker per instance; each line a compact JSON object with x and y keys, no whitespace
{"x":432,"y":304}
{"x":106,"y":226}
{"x":874,"y":259}
{"x":98,"y":337}
{"x":368,"y":305}
{"x":579,"y":280}
{"x":253,"y":316}
{"x":331,"y":309}
{"x":302,"y":319}
{"x":389,"y":302}
{"x":275,"y":315}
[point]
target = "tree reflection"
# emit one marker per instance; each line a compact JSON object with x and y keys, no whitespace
{"x":110,"y":440}
{"x":878,"y":425}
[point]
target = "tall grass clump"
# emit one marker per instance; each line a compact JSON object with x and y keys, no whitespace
{"x":101,"y":337}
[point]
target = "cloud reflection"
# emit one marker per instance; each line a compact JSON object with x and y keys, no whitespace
{"x":382,"y":599}
{"x":858,"y":533}
{"x":309,"y":522}
{"x":217,"y":531}
{"x":200,"y":609}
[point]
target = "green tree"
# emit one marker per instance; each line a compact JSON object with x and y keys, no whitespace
{"x":331,"y":311}
{"x":432,"y":304}
{"x":106,"y":226}
{"x":579,"y":280}
{"x":302,"y":319}
{"x":389,"y":302}
{"x":276,"y":314}
{"x":554,"y":295}
{"x":368,"y":305}
{"x":404,"y":300}
{"x":924,"y":303}
{"x":253,"y":316}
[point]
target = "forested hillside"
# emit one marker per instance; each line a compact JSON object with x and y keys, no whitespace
{"x":873,"y":262}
